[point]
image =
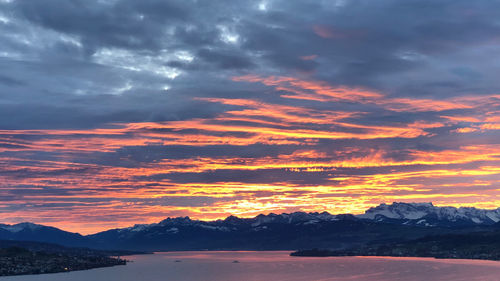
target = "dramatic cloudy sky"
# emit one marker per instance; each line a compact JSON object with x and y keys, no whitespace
{"x":115,"y":112}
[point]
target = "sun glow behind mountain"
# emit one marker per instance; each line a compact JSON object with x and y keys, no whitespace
{"x":253,"y":137}
{"x":323,"y":157}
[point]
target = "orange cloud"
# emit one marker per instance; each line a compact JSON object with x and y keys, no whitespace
{"x":317,"y":155}
{"x":324,"y":92}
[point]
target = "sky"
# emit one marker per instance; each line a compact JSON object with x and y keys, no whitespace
{"x":117,"y":112}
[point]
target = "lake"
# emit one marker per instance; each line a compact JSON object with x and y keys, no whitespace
{"x":277,"y":266}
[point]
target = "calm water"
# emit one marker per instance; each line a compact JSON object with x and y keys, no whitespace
{"x":277,"y":266}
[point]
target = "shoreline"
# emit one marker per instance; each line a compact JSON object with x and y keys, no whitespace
{"x":63,"y":271}
{"x":315,"y":253}
{"x":16,"y":261}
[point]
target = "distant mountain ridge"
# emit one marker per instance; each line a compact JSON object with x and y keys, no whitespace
{"x":426,"y":214}
{"x":384,"y":223}
{"x":36,"y":232}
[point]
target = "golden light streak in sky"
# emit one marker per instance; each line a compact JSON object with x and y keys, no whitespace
{"x":256,"y":157}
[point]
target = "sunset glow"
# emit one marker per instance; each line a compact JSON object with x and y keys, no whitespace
{"x":319,"y":165}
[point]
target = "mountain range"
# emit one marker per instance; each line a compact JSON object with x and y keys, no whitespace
{"x":426,"y":214}
{"x":385,"y":223}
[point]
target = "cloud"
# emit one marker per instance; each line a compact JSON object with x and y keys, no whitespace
{"x":143,"y":109}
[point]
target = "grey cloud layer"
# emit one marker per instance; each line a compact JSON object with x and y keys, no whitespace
{"x":85,"y":63}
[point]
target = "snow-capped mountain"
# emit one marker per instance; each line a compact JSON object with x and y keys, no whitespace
{"x":426,"y":214}
{"x":41,"y":233}
{"x":386,"y":222}
{"x":20,"y":227}
{"x":272,"y":231}
{"x":290,"y":218}
{"x":233,"y":222}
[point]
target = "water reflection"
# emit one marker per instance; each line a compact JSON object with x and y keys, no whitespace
{"x":277,"y":266}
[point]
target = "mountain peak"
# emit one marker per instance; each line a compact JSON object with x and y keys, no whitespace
{"x":413,"y":204}
{"x":177,"y":220}
{"x":424,"y":213}
{"x":233,"y":220}
{"x":20,"y":226}
{"x":399,"y":210}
